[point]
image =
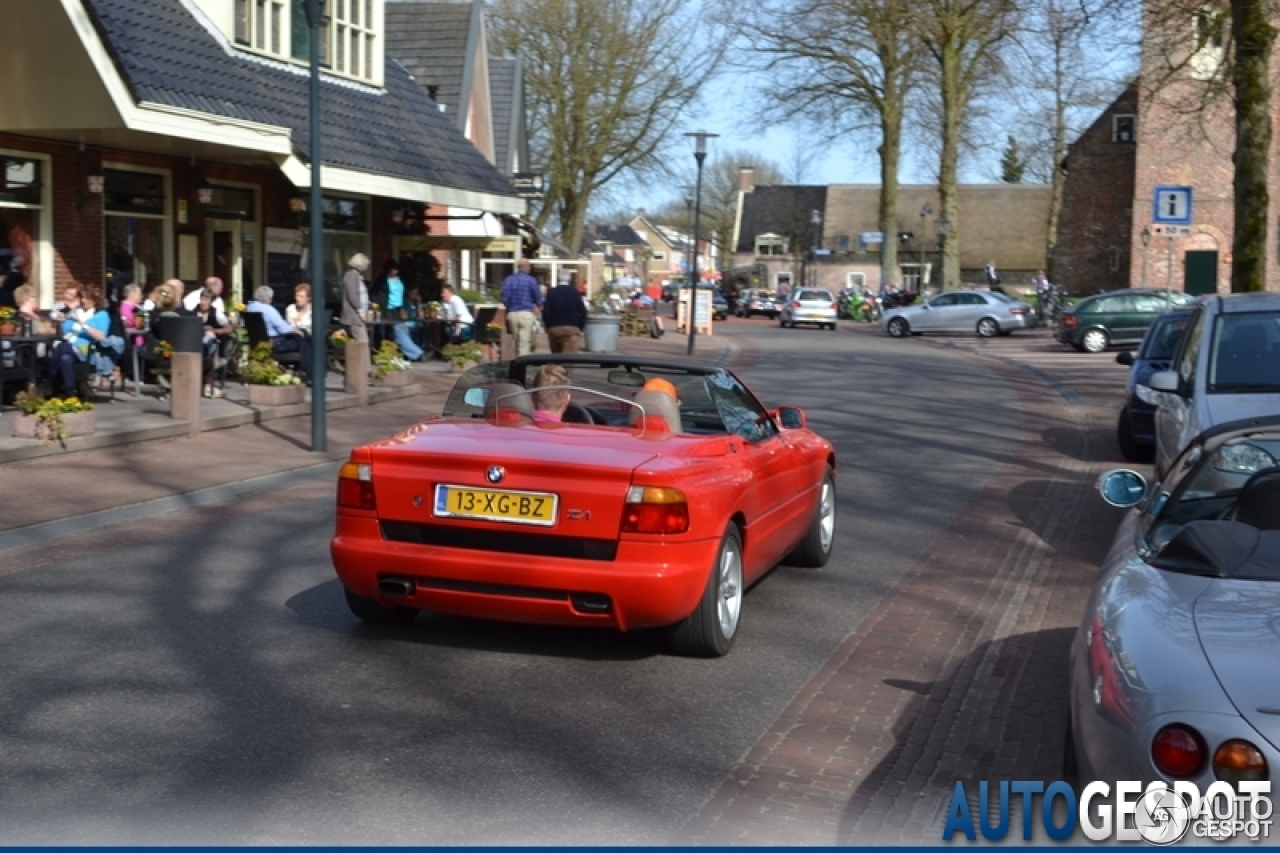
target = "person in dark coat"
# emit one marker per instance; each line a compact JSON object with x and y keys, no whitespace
{"x":565,"y":315}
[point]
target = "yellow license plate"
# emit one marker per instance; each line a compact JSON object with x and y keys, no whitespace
{"x":495,"y":505}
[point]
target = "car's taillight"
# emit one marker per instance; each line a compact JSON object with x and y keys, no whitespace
{"x":355,"y":486}
{"x":1178,"y":751}
{"x":795,"y":304}
{"x":653,"y":509}
{"x":1108,"y":690}
{"x":1019,"y":311}
{"x":1239,"y":761}
{"x":1069,"y":321}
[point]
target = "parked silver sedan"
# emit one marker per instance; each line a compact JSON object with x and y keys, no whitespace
{"x":985,"y":312}
{"x":1173,"y":671}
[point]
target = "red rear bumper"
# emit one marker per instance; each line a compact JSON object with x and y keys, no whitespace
{"x":650,"y":583}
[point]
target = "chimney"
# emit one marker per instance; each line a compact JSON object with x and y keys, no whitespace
{"x":746,"y":179}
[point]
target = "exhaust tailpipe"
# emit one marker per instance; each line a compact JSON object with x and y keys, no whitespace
{"x":396,"y":587}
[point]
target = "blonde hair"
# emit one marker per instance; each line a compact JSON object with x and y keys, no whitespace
{"x":168,"y":296}
{"x":359,"y":262}
{"x":550,"y":397}
{"x":23,"y":293}
{"x":302,"y":288}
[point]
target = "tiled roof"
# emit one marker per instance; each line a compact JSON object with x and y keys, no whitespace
{"x":168,"y":57}
{"x":430,"y":40}
{"x":782,"y":210}
{"x":502,"y":94}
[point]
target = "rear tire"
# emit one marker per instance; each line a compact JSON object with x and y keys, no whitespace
{"x":815,"y":548}
{"x":898,"y":328}
{"x":988,"y":328}
{"x":1094,"y":340}
{"x":709,"y":631}
{"x":368,"y":610}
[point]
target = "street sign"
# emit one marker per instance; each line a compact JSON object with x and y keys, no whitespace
{"x":1171,"y":206}
{"x":529,"y":184}
{"x":1171,"y":230}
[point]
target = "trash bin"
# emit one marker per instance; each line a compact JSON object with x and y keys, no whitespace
{"x":184,"y":334}
{"x":602,"y":332}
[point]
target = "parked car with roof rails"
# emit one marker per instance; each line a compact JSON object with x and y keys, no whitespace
{"x":986,"y":313}
{"x":1227,"y":368}
{"x":1135,"y":430}
{"x":1115,"y":318}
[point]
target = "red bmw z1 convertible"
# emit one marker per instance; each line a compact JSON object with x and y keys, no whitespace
{"x":638,"y":508}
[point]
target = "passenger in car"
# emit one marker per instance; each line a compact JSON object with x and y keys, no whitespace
{"x":551,"y":398}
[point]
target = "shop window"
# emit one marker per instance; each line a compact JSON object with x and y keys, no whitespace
{"x":231,"y":203}
{"x":20,"y":180}
{"x":133,"y":192}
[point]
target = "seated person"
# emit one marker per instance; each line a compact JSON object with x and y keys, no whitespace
{"x":396,"y":307}
{"x":284,"y":337}
{"x":166,"y":301}
{"x":86,"y":338}
{"x":299,"y":314}
{"x":457,"y":314}
{"x":550,"y":399}
{"x":216,"y":329}
{"x":25,"y":299}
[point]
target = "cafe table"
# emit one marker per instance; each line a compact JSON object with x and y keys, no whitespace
{"x":25,"y":357}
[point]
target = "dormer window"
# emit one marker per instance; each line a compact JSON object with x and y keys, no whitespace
{"x":1123,"y":129}
{"x":349,"y":42}
{"x":771,"y":244}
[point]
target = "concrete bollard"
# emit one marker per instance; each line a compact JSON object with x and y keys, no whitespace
{"x":356,"y":380}
{"x":186,"y":375}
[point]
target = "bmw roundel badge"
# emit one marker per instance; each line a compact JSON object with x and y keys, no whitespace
{"x":495,"y":474}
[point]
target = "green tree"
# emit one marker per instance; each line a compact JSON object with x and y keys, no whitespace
{"x":607,"y":82}
{"x":1013,"y":164}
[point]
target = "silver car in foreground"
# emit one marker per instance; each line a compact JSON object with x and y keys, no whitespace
{"x":986,"y":313}
{"x":1175,"y":669}
{"x":808,"y":305}
{"x":1227,"y":368}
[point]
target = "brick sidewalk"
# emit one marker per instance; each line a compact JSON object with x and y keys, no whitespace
{"x":957,"y":674}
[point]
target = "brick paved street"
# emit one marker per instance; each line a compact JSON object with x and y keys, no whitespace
{"x":958,"y":673}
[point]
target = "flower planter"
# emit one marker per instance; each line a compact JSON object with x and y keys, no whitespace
{"x":8,"y":328}
{"x":76,"y":423}
{"x":276,"y":395}
{"x":395,"y":379}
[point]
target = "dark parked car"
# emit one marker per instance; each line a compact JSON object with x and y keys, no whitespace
{"x":1117,"y":318}
{"x":1136,"y":431}
{"x":753,"y":302}
{"x":719,"y":306}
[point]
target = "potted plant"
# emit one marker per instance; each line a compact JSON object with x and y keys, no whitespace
{"x":53,"y":417}
{"x":269,"y":383}
{"x":390,"y":368}
{"x":463,"y":356}
{"x":337,"y":350}
{"x":8,"y":321}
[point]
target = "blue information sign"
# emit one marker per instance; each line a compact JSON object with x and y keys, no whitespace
{"x":1171,"y":206}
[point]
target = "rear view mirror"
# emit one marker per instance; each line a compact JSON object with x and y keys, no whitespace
{"x":1164,"y":380}
{"x":791,"y":417}
{"x":1125,"y":358}
{"x":1123,"y":488}
{"x":625,"y":378}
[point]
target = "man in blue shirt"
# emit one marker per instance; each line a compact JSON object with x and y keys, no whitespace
{"x":284,"y":338}
{"x":565,"y":316}
{"x":522,"y":296}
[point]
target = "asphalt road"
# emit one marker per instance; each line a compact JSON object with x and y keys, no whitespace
{"x":197,"y":679}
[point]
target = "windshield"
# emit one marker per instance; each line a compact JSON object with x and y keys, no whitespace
{"x":1244,"y":355}
{"x":1203,"y":484}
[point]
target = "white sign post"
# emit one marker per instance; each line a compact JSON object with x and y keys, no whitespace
{"x":1171,"y":217}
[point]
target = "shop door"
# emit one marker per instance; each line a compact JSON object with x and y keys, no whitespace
{"x":1201,"y":273}
{"x":223,"y":239}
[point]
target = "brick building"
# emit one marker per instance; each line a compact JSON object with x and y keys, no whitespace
{"x":149,"y":139}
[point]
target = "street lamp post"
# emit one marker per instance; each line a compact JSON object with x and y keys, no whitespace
{"x":699,"y":154}
{"x":815,"y":219}
{"x":688,"y":255}
{"x":319,"y":322}
{"x":925,"y":212}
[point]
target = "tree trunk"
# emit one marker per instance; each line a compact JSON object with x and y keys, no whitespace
{"x":1253,"y":39}
{"x":948,"y":164}
{"x":890,"y":155}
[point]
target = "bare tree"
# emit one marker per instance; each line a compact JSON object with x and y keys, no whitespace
{"x":962,"y":37}
{"x":844,"y":65}
{"x":607,"y":81}
{"x":1065,"y":67}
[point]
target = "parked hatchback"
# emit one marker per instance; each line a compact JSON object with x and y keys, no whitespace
{"x":809,"y":305}
{"x":755,"y":302}
{"x":1116,"y":318}
{"x":1136,"y":431}
{"x":1227,"y":368}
